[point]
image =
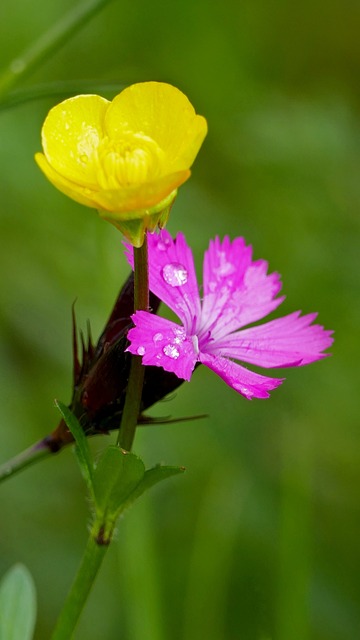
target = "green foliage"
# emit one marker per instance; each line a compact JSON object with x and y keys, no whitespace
{"x":150,"y":478}
{"x":81,"y":446}
{"x":281,"y":167}
{"x":116,"y":480}
{"x":116,"y":476}
{"x":17,"y":604}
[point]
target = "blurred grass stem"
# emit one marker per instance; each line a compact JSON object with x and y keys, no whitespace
{"x":25,"y":459}
{"x":59,"y":89}
{"x":48,"y":43}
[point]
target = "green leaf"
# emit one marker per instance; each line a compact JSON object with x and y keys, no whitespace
{"x":82,"y":450}
{"x":47,"y":43}
{"x":150,"y":478}
{"x":17,"y":604}
{"x":116,"y":476}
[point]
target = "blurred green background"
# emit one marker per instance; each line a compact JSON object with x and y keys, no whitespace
{"x":260,"y":539}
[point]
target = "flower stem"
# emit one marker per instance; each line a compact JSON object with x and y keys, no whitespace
{"x":136,"y":378}
{"x":48,"y":43}
{"x":24,"y":459}
{"x":97,"y":545}
{"x":93,"y":556}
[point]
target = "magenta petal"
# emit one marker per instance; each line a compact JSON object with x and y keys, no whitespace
{"x":172,"y":276}
{"x":285,"y":342}
{"x":162,"y":343}
{"x":223,"y":260}
{"x":236,"y":289}
{"x":249,"y":384}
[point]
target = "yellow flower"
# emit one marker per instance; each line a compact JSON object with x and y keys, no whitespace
{"x":125,"y":158}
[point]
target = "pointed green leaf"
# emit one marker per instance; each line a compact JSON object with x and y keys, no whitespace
{"x":17,"y":604}
{"x":116,"y":476}
{"x":150,"y":478}
{"x":82,"y":450}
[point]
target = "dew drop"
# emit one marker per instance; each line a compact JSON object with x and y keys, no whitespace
{"x":171,"y":351}
{"x":179,"y":331}
{"x":179,"y":334}
{"x":163,"y":244}
{"x":158,"y":337}
{"x":175,"y":274}
{"x":246,"y":391}
{"x":140,"y":351}
{"x":225,"y":268}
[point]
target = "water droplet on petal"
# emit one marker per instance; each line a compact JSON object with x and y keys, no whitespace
{"x":225,"y":268}
{"x":246,"y":391}
{"x":175,"y":274}
{"x":179,"y":334}
{"x":171,"y":351}
{"x":140,"y":351}
{"x":158,"y":337}
{"x":163,"y":244}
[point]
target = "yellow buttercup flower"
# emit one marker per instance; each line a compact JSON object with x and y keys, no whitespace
{"x":125,"y":158}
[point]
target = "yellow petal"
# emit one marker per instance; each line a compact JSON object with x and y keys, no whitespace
{"x":124,"y":158}
{"x":163,"y":113}
{"x":126,"y":203}
{"x":192,"y":141}
{"x":71,"y":134}
{"x":73,"y":190}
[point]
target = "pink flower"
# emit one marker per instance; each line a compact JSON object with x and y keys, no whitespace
{"x":237,"y":291}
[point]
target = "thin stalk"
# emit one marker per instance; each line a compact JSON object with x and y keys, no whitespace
{"x":97,"y":545}
{"x":48,"y":43}
{"x":93,"y":556}
{"x":25,"y":459}
{"x":136,"y":378}
{"x":59,"y":89}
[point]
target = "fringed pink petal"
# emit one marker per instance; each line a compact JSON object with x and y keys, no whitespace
{"x":286,"y":342}
{"x":249,"y":384}
{"x":237,"y":290}
{"x":162,"y":343}
{"x":172,"y":275}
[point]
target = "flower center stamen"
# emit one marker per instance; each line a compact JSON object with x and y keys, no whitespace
{"x":132,"y":159}
{"x":195,"y":342}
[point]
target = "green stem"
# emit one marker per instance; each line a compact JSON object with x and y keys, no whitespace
{"x":24,"y":459}
{"x":58,"y":89}
{"x":136,"y":378}
{"x":48,"y":43}
{"x":93,"y":556}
